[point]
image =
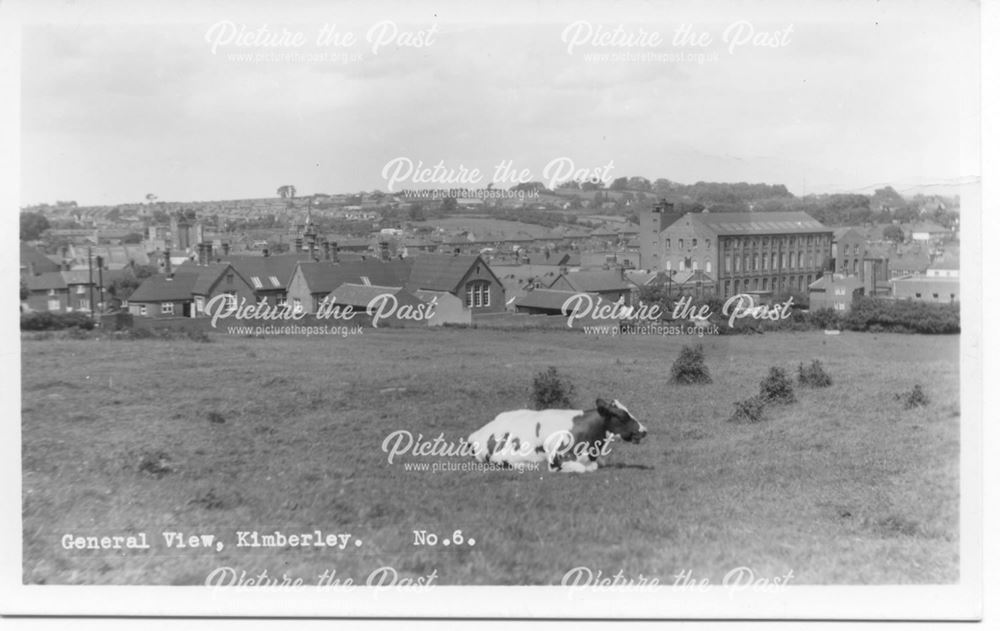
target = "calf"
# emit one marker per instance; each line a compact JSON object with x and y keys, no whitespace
{"x":569,"y":440}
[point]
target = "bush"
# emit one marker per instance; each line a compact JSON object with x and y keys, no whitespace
{"x":903,"y":316}
{"x":913,"y":398}
{"x":551,"y":390}
{"x":777,"y":387}
{"x":814,"y":376}
{"x":689,"y":367}
{"x":748,"y":410}
{"x":45,"y":321}
{"x":826,"y":319}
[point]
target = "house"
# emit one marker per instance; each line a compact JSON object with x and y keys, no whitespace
{"x":611,"y":285}
{"x":835,"y":291}
{"x":189,"y":290}
{"x":928,"y":233}
{"x":945,"y":267}
{"x":313,"y":281}
{"x":34,"y":261}
{"x":908,"y":264}
{"x":68,"y":291}
{"x":848,"y":251}
{"x":268,"y":275}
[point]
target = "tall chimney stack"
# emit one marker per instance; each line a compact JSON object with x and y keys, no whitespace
{"x":298,"y":244}
{"x":334,"y":252}
{"x":384,"y":250}
{"x":326,"y":250}
{"x":225,"y":248}
{"x":167,"y":269}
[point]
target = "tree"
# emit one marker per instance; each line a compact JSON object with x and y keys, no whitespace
{"x":416,"y":212}
{"x":620,"y":184}
{"x":286,"y":191}
{"x":24,"y":290}
{"x":132,"y":237}
{"x":33,"y":225}
{"x":449,"y":204}
{"x":893,"y":233}
{"x":150,"y":198}
{"x":639,"y":183}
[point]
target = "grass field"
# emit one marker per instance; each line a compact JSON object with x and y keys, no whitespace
{"x":843,"y":486}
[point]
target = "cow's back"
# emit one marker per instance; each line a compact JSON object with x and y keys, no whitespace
{"x":520,"y":434}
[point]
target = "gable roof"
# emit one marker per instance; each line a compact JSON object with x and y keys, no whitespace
{"x":35,"y":259}
{"x":948,"y":261}
{"x":594,"y":280}
{"x":729,"y":224}
{"x":161,"y":288}
{"x":46,"y":281}
{"x":280,"y":266}
{"x":831,"y":281}
{"x":361,"y":295}
{"x":440,"y":272}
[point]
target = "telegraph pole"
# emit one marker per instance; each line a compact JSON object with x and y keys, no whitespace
{"x":100,"y":280}
{"x":90,"y":285}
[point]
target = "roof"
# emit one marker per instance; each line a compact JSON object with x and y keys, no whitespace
{"x":46,"y":281}
{"x":207,"y":277}
{"x":61,"y":280}
{"x":728,"y":224}
{"x":595,"y":280}
{"x":929,"y":228}
{"x":266,"y":269}
{"x":948,"y":261}
{"x":440,"y":272}
{"x":840,"y":233}
{"x":161,"y":288}
{"x":323,"y":277}
{"x":361,"y":295}
{"x":692,"y":276}
{"x":35,"y":258}
{"x":836,"y":280}
{"x":545,"y":299}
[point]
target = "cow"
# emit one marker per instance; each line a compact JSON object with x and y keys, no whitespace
{"x":568,"y":440}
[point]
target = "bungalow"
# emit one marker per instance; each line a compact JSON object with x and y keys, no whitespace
{"x":313,"y":281}
{"x":926,"y":289}
{"x":188,"y":291}
{"x":360,"y":296}
{"x":268,"y":275}
{"x":465,"y":276}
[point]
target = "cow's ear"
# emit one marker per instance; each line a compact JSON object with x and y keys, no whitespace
{"x":602,"y":407}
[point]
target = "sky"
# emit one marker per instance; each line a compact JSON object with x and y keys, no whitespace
{"x":116,"y":104}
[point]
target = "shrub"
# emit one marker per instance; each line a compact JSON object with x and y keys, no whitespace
{"x":748,"y":410}
{"x":903,"y":316}
{"x":155,"y":463}
{"x":689,"y":367}
{"x":551,"y":390}
{"x":45,"y":321}
{"x":826,"y":319}
{"x":215,"y":417}
{"x":814,"y":375}
{"x":777,"y":387}
{"x":913,"y":398}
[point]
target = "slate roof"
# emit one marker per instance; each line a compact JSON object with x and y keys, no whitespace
{"x":62,"y":280}
{"x":161,"y":288}
{"x":324,"y":277}
{"x":361,"y":295}
{"x":35,"y":257}
{"x":440,"y":272}
{"x":735,"y":224}
{"x":948,"y":261}
{"x":280,"y":266}
{"x":836,"y":280}
{"x":545,"y":299}
{"x":595,"y":280}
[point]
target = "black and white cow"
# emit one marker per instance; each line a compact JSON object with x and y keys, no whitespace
{"x":569,"y":440}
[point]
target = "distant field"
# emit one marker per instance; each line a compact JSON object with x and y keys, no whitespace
{"x":843,"y":486}
{"x":489,"y":229}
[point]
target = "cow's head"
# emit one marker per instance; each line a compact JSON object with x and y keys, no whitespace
{"x":619,"y":421}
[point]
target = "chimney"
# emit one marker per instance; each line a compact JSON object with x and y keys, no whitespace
{"x":225,"y":248}
{"x":334,"y":252}
{"x":208,"y":252}
{"x":457,"y":251}
{"x":384,"y":250}
{"x":201,"y":254}
{"x":166,"y":264}
{"x":267,"y":252}
{"x":326,"y":250}
{"x":298,"y":244}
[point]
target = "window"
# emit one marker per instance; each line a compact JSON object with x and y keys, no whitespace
{"x":695,"y":266}
{"x":669,"y":265}
{"x":764,"y":284}
{"x":680,"y":243}
{"x":53,"y":305}
{"x":756,"y":262}
{"x":296,"y":305}
{"x":230,"y":300}
{"x":694,"y":243}
{"x":274,"y":281}
{"x":708,"y":244}
{"x":143,"y":310}
{"x":477,"y":294}
{"x":167,"y":308}
{"x":727,"y":288}
{"x":80,"y":289}
{"x":935,"y":296}
{"x":746,"y":262}
{"x":800,"y":259}
{"x":256,"y":282}
{"x":52,"y":292}
{"x":708,"y":266}
{"x":667,"y":243}
{"x":229,"y":278}
{"x":855,"y":248}
{"x":729,"y":263}
{"x":855,"y":267}
{"x":199,"y":304}
{"x":918,"y":295}
{"x":774,"y":260}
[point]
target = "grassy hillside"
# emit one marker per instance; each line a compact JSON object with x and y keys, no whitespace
{"x":842,"y":486}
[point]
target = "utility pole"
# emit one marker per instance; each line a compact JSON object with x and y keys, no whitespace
{"x":90,"y":285}
{"x":100,"y":280}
